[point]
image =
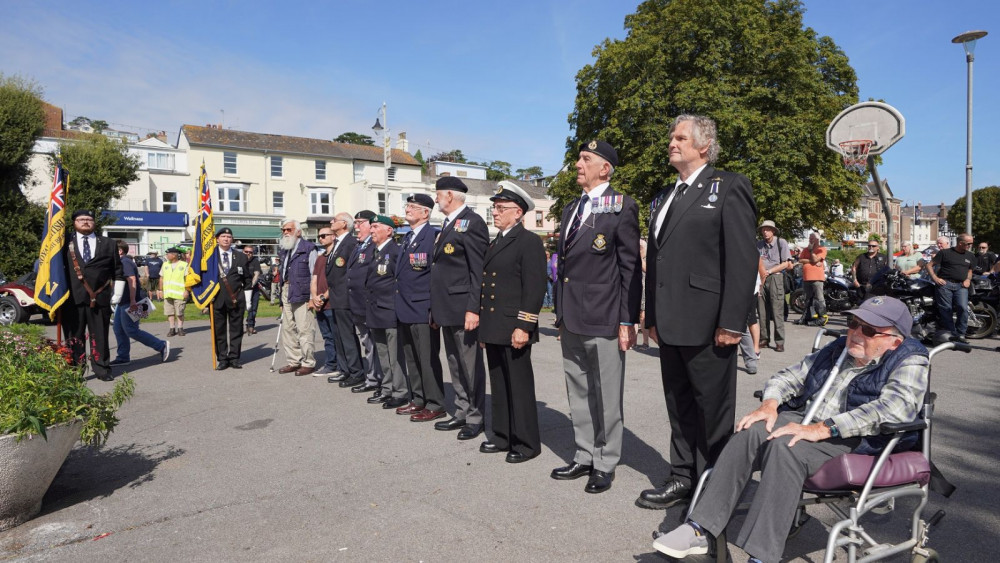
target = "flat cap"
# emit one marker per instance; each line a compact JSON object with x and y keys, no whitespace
{"x":366,"y":215}
{"x":509,"y":191}
{"x":421,"y":199}
{"x":223,"y":231}
{"x":384,"y":220}
{"x":451,"y":183}
{"x":601,"y":149}
{"x":82,"y":213}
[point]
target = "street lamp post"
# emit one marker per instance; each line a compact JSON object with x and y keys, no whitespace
{"x":968,"y":41}
{"x":378,"y":128}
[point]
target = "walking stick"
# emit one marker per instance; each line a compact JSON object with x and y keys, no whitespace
{"x":276,"y":340}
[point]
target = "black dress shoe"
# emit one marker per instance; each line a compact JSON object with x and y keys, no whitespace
{"x":363,"y":388}
{"x":395,"y":403}
{"x":450,"y":424}
{"x":599,"y":481}
{"x":106,"y":377}
{"x":377,"y":397}
{"x":518,"y":457}
{"x":572,"y":471}
{"x":352,"y":381}
{"x":470,"y":431}
{"x":490,"y":448}
{"x":669,"y":494}
{"x":338,"y":378}
{"x":235,"y":364}
{"x":221,"y":366}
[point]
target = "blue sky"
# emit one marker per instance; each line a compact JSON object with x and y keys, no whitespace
{"x":493,"y":79}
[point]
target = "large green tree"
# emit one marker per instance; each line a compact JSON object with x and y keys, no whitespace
{"x":353,"y":138}
{"x":985,"y":216}
{"x":21,"y":122}
{"x":771,"y":85}
{"x":99,"y":169}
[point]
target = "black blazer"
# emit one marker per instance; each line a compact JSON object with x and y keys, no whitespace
{"x":457,"y":269}
{"x":701,"y":277}
{"x":600,"y":275}
{"x":380,"y":289}
{"x":357,"y":277}
{"x":513,"y":287}
{"x":336,"y":272}
{"x":104,"y":268}
{"x":239,"y":279}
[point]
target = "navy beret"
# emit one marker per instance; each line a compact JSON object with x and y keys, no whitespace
{"x":601,"y":149}
{"x":82,"y":213}
{"x":451,"y":183}
{"x":421,"y":199}
{"x":224,"y":231}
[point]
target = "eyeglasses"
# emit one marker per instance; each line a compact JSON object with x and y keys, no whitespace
{"x":872,"y":246}
{"x":360,"y":221}
{"x":501,"y":208}
{"x":84,"y":219}
{"x":866,"y":329}
{"x":288,"y":230}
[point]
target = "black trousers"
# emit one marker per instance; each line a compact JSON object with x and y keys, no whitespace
{"x":512,"y":396}
{"x":699,"y":384}
{"x":79,"y":320}
{"x":346,"y":342}
{"x":228,"y":329}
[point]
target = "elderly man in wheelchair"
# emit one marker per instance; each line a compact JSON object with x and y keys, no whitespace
{"x":873,"y":375}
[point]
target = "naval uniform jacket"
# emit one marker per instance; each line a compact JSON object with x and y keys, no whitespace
{"x":457,"y":267}
{"x":104,"y":268}
{"x":698,"y":274}
{"x":357,"y":277}
{"x":413,"y":277}
{"x":599,"y":283}
{"x":239,"y":279}
{"x":513,"y":287}
{"x":380,"y":289}
{"x":337,"y":272}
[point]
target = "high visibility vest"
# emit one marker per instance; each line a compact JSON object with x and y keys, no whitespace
{"x":172,"y":276}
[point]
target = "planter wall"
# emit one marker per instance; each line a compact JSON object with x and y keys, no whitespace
{"x":28,"y":467}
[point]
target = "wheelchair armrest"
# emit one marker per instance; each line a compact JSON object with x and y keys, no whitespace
{"x":759,"y":394}
{"x":899,"y":427}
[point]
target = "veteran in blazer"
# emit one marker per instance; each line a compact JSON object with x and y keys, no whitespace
{"x":380,"y":291}
{"x":700,"y":262}
{"x":96,"y":283}
{"x":511,"y":295}
{"x":230,"y":301}
{"x":337,"y":296}
{"x":456,"y":275}
{"x":357,"y":299}
{"x":598,"y":293}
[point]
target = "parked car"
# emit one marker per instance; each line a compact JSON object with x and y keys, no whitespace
{"x":17,"y":300}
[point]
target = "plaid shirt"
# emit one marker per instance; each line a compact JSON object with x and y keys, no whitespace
{"x":899,"y":401}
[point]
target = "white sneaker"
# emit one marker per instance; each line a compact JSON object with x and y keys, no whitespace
{"x":681,"y":542}
{"x":166,"y":351}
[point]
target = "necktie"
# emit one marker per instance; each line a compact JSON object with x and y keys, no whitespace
{"x":496,"y":240}
{"x":225,"y":262}
{"x":407,"y":239}
{"x":86,"y":250}
{"x":577,"y":220}
{"x":444,"y":225}
{"x":680,"y":190}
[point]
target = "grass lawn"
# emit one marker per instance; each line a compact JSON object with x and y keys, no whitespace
{"x":192,"y":313}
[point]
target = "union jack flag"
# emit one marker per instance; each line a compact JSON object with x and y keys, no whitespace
{"x":203,"y":271}
{"x":51,"y":285}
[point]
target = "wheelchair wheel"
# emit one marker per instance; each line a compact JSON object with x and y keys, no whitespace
{"x":931,"y":557}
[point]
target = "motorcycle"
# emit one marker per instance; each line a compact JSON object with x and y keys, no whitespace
{"x":838,"y":292}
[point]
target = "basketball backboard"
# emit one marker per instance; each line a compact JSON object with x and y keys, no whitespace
{"x":877,"y":122}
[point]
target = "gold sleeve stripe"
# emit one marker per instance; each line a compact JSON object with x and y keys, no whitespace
{"x":522,"y":316}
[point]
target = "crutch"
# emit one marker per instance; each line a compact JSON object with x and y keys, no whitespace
{"x":276,"y":341}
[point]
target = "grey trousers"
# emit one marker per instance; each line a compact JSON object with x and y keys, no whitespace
{"x":468,"y":375}
{"x":369,"y":359}
{"x":422,"y":353}
{"x":746,"y":350}
{"x":815,"y":300}
{"x":771,"y":308}
{"x":783,"y":471}
{"x":393,"y":381}
{"x":595,"y":381}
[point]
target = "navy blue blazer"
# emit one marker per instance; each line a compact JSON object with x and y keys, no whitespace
{"x":457,"y":269}
{"x":413,"y":278}
{"x":380,"y":287}
{"x":357,"y":277}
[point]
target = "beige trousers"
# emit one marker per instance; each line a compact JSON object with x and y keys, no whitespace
{"x":298,"y":332}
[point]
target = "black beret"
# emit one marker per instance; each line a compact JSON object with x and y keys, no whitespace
{"x":175,"y":250}
{"x":366,"y":215}
{"x":451,"y":183}
{"x":82,"y":213}
{"x":601,"y":149}
{"x":224,"y":231}
{"x":421,"y":199}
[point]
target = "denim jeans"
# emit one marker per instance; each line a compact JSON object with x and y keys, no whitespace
{"x":547,"y":301}
{"x":252,"y":312}
{"x":126,"y":329}
{"x":952,"y":297}
{"x":328,"y":328}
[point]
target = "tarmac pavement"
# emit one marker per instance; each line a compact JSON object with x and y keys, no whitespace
{"x":248,"y":465}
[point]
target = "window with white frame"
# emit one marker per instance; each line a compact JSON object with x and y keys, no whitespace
{"x":278,"y":203}
{"x":392,"y":173}
{"x":381,"y":203}
{"x":229,"y":163}
{"x":321,"y":170}
{"x":277,"y":167}
{"x":489,"y":217}
{"x":160,"y":161}
{"x":168,"y":202}
{"x":538,"y":218}
{"x":232,"y":197}
{"x":321,"y":202}
{"x":359,"y":172}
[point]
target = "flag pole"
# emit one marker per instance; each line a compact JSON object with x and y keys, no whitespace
{"x":211,"y":322}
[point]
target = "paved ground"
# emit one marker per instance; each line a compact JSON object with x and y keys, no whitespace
{"x":249,"y":465}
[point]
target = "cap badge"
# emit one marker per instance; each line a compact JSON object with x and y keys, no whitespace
{"x":449,"y":248}
{"x":592,"y":145}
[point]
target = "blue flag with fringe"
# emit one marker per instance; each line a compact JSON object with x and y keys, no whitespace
{"x":202,"y":277}
{"x":52,"y":285}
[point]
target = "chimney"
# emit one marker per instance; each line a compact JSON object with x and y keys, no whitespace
{"x":403,"y":144}
{"x":942,"y":212}
{"x":162,"y":135}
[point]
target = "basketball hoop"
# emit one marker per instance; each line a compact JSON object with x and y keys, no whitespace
{"x":855,"y":154}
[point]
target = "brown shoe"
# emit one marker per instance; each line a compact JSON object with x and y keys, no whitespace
{"x":427,"y":415}
{"x":289,"y":369}
{"x":779,"y":347}
{"x":410,"y":408}
{"x":305,"y":371}
{"x":180,"y":332}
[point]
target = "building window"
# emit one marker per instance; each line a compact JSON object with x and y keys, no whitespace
{"x":392,"y":173}
{"x":277,"y":167}
{"x":321,"y":202}
{"x":539,"y":218}
{"x":359,"y":172}
{"x":229,"y":163}
{"x":168,"y":202}
{"x":321,"y":170}
{"x":489,"y":217}
{"x":231,"y":198}
{"x":381,"y":203}
{"x":160,"y":161}
{"x":461,"y":173}
{"x":278,"y":202}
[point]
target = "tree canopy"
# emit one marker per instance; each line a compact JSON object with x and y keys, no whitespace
{"x":99,"y":170}
{"x":771,"y":85}
{"x":353,"y":138}
{"x":985,"y":216}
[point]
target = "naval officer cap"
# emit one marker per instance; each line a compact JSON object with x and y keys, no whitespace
{"x":601,"y":149}
{"x":509,"y":191}
{"x":384,"y":220}
{"x":421,"y":199}
{"x":223,"y":231}
{"x":82,"y":213}
{"x":451,"y":183}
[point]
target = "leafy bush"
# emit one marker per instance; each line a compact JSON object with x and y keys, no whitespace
{"x":39,"y":388}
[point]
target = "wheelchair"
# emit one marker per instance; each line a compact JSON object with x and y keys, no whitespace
{"x":852,"y":485}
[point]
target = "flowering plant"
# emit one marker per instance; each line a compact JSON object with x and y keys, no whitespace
{"x":40,"y":388}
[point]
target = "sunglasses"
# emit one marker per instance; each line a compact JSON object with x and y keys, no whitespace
{"x":324,"y":236}
{"x":866,"y":329}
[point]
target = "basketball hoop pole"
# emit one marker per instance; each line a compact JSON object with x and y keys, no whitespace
{"x":890,"y":232}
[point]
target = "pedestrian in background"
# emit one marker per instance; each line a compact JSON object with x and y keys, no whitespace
{"x":174,"y":292}
{"x":126,"y":327}
{"x":253,"y":264}
{"x":771,"y":302}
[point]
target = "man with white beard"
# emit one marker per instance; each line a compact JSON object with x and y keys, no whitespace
{"x":298,"y":337}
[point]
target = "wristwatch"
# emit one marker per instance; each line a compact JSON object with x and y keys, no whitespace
{"x":834,"y":431}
